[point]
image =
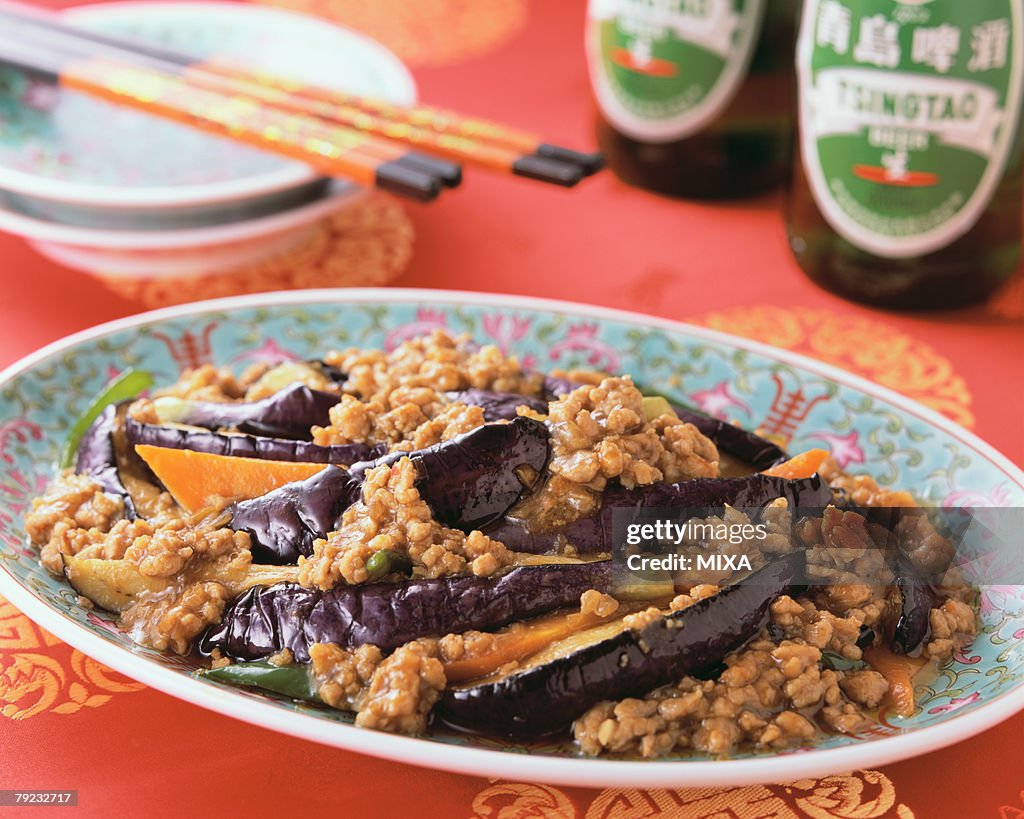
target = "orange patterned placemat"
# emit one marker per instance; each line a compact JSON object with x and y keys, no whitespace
{"x":368,"y":243}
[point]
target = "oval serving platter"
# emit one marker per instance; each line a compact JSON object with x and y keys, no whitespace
{"x":902,"y":443}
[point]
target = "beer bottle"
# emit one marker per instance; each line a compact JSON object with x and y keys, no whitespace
{"x":906,"y":188}
{"x":694,"y":97}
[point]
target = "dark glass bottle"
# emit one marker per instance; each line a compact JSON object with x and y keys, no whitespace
{"x":694,"y":97}
{"x":906,"y":187}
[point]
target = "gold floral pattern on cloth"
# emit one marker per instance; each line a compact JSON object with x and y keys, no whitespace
{"x":366,"y":244}
{"x":426,"y":33}
{"x":862,"y":345}
{"x":39,"y":674}
{"x":512,"y":800}
{"x":1012,"y":811}
{"x":858,"y":795}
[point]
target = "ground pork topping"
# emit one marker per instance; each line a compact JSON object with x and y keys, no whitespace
{"x":173,"y":619}
{"x":694,"y":595}
{"x":438,"y":361}
{"x":465,"y":646}
{"x":70,"y":504}
{"x":391,"y":516}
{"x":342,"y":676}
{"x":206,"y":383}
{"x":951,"y":623}
{"x":862,"y":490}
{"x":598,"y":603}
{"x":600,"y":432}
{"x":930,"y":552}
{"x":403,"y":689}
{"x":762,"y":698}
{"x":407,"y":418}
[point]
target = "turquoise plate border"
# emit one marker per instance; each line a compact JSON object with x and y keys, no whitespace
{"x":868,"y":428}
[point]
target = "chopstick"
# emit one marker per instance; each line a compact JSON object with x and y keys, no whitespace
{"x":472,"y":141}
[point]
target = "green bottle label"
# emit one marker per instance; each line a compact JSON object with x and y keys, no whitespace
{"x":663,"y":69}
{"x":908,"y":113}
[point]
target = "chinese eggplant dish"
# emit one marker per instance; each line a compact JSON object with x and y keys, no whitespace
{"x":423,"y":537}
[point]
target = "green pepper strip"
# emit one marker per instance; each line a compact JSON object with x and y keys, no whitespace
{"x":290,"y":680}
{"x":385,"y":562}
{"x":127,"y":385}
{"x":652,"y":393}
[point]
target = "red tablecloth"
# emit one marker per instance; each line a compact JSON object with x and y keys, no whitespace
{"x":64,"y":723}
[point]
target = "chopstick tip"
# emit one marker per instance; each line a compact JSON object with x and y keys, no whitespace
{"x":589,"y":163}
{"x":544,"y":169}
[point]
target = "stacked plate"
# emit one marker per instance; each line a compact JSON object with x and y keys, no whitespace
{"x":114,"y":192}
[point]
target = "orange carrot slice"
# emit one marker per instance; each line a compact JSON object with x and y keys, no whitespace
{"x":799,"y":466}
{"x":521,"y":640}
{"x":899,"y":671}
{"x":197,"y":479}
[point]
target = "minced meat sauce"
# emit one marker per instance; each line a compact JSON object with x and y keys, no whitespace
{"x":780,"y":689}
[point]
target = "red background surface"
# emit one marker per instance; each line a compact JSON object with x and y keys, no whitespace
{"x":145,"y":753}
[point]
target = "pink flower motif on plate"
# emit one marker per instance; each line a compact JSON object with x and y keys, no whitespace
{"x":17,"y":430}
{"x":505,"y":329}
{"x":426,"y":320}
{"x":955,"y":703}
{"x":996,"y":598}
{"x":582,"y":338}
{"x":845,"y":449}
{"x":100,"y":622}
{"x":269,"y":353}
{"x":997,"y":496}
{"x":718,"y":400}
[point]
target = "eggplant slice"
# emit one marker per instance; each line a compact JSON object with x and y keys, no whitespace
{"x":611,"y":662}
{"x":593,"y":534}
{"x":467,"y":481}
{"x":288,"y":413}
{"x":498,"y":406}
{"x":248,"y":446}
{"x":267,"y":619}
{"x":104,"y":454}
{"x":916,"y":602}
{"x":284,"y":523}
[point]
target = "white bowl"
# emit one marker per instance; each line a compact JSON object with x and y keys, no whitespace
{"x":74,"y":159}
{"x":139,"y":254}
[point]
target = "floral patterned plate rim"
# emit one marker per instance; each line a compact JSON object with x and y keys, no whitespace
{"x":802,"y":399}
{"x":44,"y":153}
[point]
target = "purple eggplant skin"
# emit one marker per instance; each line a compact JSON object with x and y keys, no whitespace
{"x":248,"y":446}
{"x":749,"y":447}
{"x":97,"y":456}
{"x":476,"y":477}
{"x":288,"y":413}
{"x":498,"y":406}
{"x":470,"y":480}
{"x":265,"y":620}
{"x":284,"y":523}
{"x":593,"y":534}
{"x":554,"y":386}
{"x":917,"y":599}
{"x":545,"y":699}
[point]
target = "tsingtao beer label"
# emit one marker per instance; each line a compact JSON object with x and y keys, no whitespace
{"x":908,"y":112}
{"x":664,"y":69}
